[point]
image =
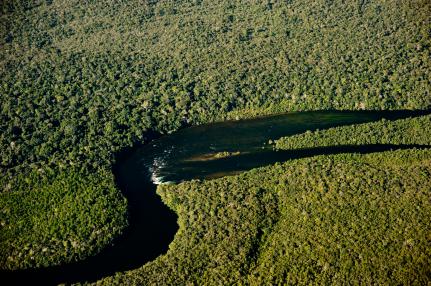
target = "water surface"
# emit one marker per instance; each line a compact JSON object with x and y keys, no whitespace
{"x":214,"y":150}
{"x":200,"y":152}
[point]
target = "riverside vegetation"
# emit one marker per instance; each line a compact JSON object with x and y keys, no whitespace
{"x":400,"y":132}
{"x":320,"y":220}
{"x":81,"y":81}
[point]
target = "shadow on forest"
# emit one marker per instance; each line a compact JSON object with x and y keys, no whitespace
{"x":152,"y":224}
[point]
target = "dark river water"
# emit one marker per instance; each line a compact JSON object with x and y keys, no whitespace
{"x":200,"y":152}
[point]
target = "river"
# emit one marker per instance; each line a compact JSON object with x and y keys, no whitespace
{"x":199,"y":152}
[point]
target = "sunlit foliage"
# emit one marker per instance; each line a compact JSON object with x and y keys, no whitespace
{"x":81,"y":80}
{"x":411,"y":131}
{"x":321,"y":220}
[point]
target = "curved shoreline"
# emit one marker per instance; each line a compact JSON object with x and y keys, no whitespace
{"x":146,"y":238}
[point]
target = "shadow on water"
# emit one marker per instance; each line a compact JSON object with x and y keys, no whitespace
{"x":152,"y":225}
{"x":236,"y":164}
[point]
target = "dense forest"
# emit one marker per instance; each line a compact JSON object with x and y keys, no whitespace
{"x":80,"y":81}
{"x":61,"y":220}
{"x":321,"y":220}
{"x":411,"y":131}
